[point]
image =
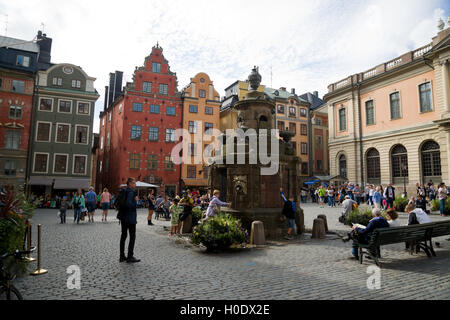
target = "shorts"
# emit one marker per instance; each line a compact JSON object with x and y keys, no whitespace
{"x":105,"y":205}
{"x":290,"y":223}
{"x":90,"y":206}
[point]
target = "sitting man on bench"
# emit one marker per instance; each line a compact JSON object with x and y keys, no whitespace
{"x":362,"y":235}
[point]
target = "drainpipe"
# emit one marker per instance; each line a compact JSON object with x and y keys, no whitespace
{"x":361,"y":160}
{"x":30,"y":149}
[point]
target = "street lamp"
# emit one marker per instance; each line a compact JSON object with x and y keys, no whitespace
{"x":404,"y":168}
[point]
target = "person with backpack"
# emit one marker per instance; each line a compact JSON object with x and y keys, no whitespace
{"x":289,"y":210}
{"x":78,"y":204}
{"x":126,"y":204}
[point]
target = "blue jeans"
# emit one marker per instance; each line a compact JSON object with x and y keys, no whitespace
{"x":77,"y":214}
{"x":371,"y":200}
{"x":442,"y":205}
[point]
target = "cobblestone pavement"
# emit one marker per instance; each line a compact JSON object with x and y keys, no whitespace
{"x":173,"y":269}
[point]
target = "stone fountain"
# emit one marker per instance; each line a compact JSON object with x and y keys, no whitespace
{"x":256,"y":197}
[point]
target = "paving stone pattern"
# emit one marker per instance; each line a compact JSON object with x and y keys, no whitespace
{"x":173,"y":269}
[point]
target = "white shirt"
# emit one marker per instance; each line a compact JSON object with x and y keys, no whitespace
{"x":394,"y":223}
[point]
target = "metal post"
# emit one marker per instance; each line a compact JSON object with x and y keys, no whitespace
{"x":29,"y":258}
{"x":39,"y":271}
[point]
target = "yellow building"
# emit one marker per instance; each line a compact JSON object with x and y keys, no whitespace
{"x":201,"y":109}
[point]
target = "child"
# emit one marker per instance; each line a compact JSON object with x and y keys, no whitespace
{"x":63,"y":209}
{"x":175,"y":210}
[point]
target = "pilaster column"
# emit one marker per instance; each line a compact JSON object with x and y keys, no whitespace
{"x":445,"y":85}
{"x":447,"y":178}
{"x":331,"y":121}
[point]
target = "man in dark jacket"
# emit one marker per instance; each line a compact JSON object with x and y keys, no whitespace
{"x":289,"y":210}
{"x":128,"y":219}
{"x":389,"y":194}
{"x":363,"y":234}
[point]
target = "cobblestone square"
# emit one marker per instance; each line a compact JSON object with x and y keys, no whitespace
{"x":173,"y":269}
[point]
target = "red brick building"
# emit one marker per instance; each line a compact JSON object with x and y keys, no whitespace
{"x":137,"y":129}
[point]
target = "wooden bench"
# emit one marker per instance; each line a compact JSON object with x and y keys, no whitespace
{"x":418,"y":236}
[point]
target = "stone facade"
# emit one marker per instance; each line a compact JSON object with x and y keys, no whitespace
{"x":392,"y":122}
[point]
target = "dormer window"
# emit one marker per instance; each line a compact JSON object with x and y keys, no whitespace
{"x":23,"y":61}
{"x":76,"y":84}
{"x":156,"y":67}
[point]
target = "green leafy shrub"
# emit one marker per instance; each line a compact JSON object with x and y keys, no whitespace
{"x":435,"y":205}
{"x":362,"y":215}
{"x":219,"y":233}
{"x":400,"y":203}
{"x":197,"y":214}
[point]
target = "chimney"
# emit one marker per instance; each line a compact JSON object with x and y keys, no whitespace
{"x":106,"y":105}
{"x":283,"y":88}
{"x":293,"y":90}
{"x":316,"y":93}
{"x":45,"y":48}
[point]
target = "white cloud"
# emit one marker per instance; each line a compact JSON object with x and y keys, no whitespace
{"x":308,"y":44}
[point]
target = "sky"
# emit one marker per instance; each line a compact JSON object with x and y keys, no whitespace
{"x":301,"y":44}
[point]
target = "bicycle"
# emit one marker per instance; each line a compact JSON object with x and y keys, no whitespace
{"x":7,"y":290}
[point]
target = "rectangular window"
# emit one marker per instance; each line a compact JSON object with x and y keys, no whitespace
{"x":40,"y":162}
{"x":370,"y":113}
{"x":156,"y":67}
{"x":18,"y":86}
{"x":43,"y":131}
{"x":15,"y":112}
{"x":107,"y":139}
{"x":395,"y":105}
{"x":79,"y":164}
{"x":319,"y":142}
{"x":304,"y":167}
{"x":163,"y":88}
{"x":76,"y":84}
{"x":57,"y":81}
{"x":152,"y":162}
{"x":192,"y":127}
{"x":65,"y":106}
{"x":342,"y":120}
{"x":135,"y":161}
{"x":292,"y":112}
{"x":192,"y":149}
{"x":280,"y":108}
{"x":209,"y":110}
{"x":318,"y":121}
{"x":202,"y":93}
{"x":280,"y":125}
{"x":304,"y":148}
{"x":109,"y":117}
{"x":81,"y":134}
{"x":60,"y":163}
{"x":154,"y":108}
{"x":208,"y":126}
{"x":170,"y":135}
{"x":193,"y":109}
{"x":303,"y":129}
{"x":292,"y":127}
{"x":302,"y":112}
{"x":23,"y":61}
{"x":168,"y":164}
{"x":153,"y":134}
{"x":191,"y":172}
{"x":425,"y":97}
{"x":10,"y":168}
{"x":171,"y":111}
{"x":319,"y":165}
{"x":12,"y":139}
{"x":62,"y":133}
{"x":83,"y":108}
{"x":101,"y":143}
{"x":135,"y":132}
{"x":137,"y":107}
{"x":147,"y":87}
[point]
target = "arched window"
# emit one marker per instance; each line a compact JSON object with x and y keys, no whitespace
{"x":431,"y":161}
{"x":343,"y":166}
{"x":399,"y":161}
{"x":373,"y":166}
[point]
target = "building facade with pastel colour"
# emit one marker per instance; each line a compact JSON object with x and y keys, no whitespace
{"x":137,"y":129}
{"x":391,"y":123}
{"x":18,"y":65}
{"x":201,"y":112}
{"x":62,"y":130}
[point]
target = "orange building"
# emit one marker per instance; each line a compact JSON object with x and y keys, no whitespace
{"x":201,"y":109}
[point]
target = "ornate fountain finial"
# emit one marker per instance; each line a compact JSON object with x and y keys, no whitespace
{"x":254,"y":79}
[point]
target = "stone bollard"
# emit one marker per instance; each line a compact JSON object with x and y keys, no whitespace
{"x":186,"y":226}
{"x":257,"y":236}
{"x":318,"y":231}
{"x":324,"y":218}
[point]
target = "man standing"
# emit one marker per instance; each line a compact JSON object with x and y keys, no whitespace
{"x":389,"y":194}
{"x":91,"y":203}
{"x":289,"y":210}
{"x":127,"y":201}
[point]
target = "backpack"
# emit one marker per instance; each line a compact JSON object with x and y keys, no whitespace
{"x":120,"y":203}
{"x":287,"y":210}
